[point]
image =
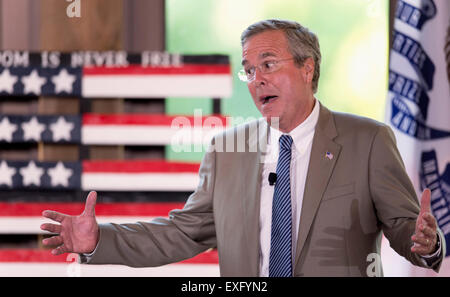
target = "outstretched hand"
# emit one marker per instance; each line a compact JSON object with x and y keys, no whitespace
{"x":75,"y":234}
{"x":425,"y":236}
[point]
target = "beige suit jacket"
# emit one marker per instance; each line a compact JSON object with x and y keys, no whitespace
{"x":349,"y":201}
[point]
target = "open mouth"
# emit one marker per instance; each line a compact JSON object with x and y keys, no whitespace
{"x":267,"y":99}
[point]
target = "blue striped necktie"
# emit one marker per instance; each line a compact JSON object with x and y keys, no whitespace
{"x":280,"y":262}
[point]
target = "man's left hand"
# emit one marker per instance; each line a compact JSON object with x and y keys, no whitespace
{"x":425,"y":236}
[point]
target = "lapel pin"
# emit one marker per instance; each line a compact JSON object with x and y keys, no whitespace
{"x":329,"y":155}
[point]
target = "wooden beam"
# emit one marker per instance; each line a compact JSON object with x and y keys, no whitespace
{"x":99,"y":27}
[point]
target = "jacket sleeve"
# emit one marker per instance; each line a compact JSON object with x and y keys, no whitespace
{"x":394,"y":196}
{"x":184,"y":234}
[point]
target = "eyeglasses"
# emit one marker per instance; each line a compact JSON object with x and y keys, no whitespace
{"x":269,"y":66}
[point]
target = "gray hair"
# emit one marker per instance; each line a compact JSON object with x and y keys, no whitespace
{"x":302,"y":42}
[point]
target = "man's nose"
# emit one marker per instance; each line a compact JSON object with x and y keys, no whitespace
{"x":260,"y":78}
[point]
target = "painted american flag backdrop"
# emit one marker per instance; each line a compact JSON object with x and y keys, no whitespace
{"x":129,"y":190}
{"x":111,"y":74}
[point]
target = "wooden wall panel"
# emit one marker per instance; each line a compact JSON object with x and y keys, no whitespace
{"x":99,"y":27}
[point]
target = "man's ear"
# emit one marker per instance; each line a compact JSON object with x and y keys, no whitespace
{"x":308,"y":70}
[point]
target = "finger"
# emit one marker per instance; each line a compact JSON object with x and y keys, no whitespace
{"x":51,"y":228}
{"x":426,"y":232}
{"x":416,"y":246}
{"x":430,"y":220}
{"x":91,"y":200}
{"x":59,"y":250}
{"x":421,"y":246}
{"x":53,"y":215}
{"x":421,"y":241}
{"x":421,"y":250}
{"x":425,"y":201}
{"x":55,"y":240}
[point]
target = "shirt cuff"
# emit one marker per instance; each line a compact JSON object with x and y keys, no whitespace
{"x":428,"y":260}
{"x":90,"y":254}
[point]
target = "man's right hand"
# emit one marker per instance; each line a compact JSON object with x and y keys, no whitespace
{"x":75,"y":234}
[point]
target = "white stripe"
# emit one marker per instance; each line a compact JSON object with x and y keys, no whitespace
{"x":75,"y":269}
{"x":31,"y":224}
{"x":145,"y":135}
{"x":145,"y":86}
{"x":139,"y":181}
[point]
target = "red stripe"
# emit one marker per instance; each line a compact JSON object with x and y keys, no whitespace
{"x":28,"y":255}
{"x":185,"y":69}
{"x":139,"y":166}
{"x":152,"y":120}
{"x":45,"y":256}
{"x":101,"y":209}
{"x":210,"y":257}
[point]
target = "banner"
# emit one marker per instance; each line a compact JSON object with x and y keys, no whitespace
{"x":114,"y":74}
{"x":418,"y":102}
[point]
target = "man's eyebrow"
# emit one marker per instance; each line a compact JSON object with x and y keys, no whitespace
{"x":261,"y":56}
{"x":267,"y":54}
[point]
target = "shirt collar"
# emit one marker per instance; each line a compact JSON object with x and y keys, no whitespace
{"x":299,"y":133}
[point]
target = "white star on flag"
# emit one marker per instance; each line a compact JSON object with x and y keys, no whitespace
{"x":59,"y":175}
{"x":31,"y":174}
{"x":63,"y":81}
{"x":33,"y":83}
{"x":6,"y":174}
{"x":32,"y":129}
{"x":7,"y":81}
{"x":61,"y":129}
{"x":7,"y":129}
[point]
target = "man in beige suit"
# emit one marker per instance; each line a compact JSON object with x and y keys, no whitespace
{"x":347,"y":180}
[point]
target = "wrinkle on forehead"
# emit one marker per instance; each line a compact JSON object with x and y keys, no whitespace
{"x":265,"y":44}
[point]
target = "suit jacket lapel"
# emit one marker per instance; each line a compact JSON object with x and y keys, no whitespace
{"x":319,"y":172}
{"x":251,"y":190}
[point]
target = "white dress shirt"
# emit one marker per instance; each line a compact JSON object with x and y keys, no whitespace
{"x":302,"y":136}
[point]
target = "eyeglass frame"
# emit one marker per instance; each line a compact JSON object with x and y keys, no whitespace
{"x":243,"y":75}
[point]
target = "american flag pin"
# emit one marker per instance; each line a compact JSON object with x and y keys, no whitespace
{"x":329,"y":155}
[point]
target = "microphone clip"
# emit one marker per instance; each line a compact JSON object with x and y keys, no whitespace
{"x":272,"y":178}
